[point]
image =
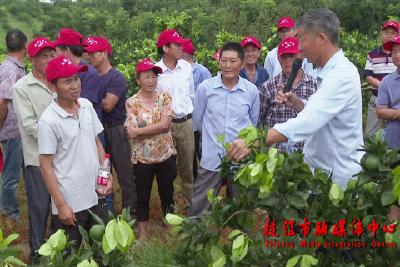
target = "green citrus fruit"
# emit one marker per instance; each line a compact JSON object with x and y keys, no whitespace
{"x":97,"y":232}
{"x":372,"y":163}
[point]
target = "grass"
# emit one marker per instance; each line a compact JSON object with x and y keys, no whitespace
{"x":157,"y":250}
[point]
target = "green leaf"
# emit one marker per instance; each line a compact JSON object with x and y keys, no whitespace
{"x":13,"y":261}
{"x":239,"y":248}
{"x":255,"y":169}
{"x":106,"y":246}
{"x":272,"y":152}
{"x":210,"y":197}
{"x":110,"y":229}
{"x":221,"y":262}
{"x":234,"y":233}
{"x":121,"y":233}
{"x":293,"y":261}
{"x":307,"y":261}
{"x":216,"y":253}
{"x":297,"y":201}
{"x":9,"y":239}
{"x":58,"y":240}
{"x":45,"y":250}
{"x":177,"y":220}
{"x":387,"y":198}
{"x":87,"y":263}
{"x":271,"y":163}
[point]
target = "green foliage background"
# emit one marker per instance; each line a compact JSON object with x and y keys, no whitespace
{"x":133,"y":25}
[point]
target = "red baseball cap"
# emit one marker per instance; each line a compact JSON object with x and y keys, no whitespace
{"x":250,"y":40}
{"x":389,"y":45}
{"x":289,"y":45}
{"x":68,"y":37}
{"x":62,"y":67}
{"x":169,"y":36}
{"x":145,"y":65}
{"x":37,"y":45}
{"x":391,"y":24}
{"x":285,"y":22}
{"x":188,"y":47}
{"x":93,"y":44}
{"x":217,"y":55}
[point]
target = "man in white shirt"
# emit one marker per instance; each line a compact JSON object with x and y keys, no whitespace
{"x":286,"y":28}
{"x":330,"y":122}
{"x":177,"y":80}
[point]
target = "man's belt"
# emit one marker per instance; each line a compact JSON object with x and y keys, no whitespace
{"x":113,"y":124}
{"x":183,"y":119}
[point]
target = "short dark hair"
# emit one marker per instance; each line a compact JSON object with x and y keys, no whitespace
{"x":77,"y":50}
{"x":160,"y":50}
{"x":321,"y":20}
{"x":233,"y":46}
{"x":15,"y":40}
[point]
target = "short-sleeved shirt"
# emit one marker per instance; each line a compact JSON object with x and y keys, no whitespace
{"x":92,"y":88}
{"x":259,"y":79}
{"x":200,"y":74}
{"x":272,"y":113}
{"x":10,"y":72}
{"x":378,"y":65}
{"x":30,"y":98}
{"x":159,"y":147}
{"x":178,"y":83}
{"x":389,"y":96}
{"x":114,"y":82}
{"x":72,"y":142}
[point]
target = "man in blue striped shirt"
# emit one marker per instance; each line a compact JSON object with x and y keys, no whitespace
{"x":223,"y":105}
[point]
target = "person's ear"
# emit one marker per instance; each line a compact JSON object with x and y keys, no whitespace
{"x":165,"y":48}
{"x":322,"y":38}
{"x":52,"y":86}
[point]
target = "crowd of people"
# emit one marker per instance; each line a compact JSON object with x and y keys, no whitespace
{"x":58,"y":121}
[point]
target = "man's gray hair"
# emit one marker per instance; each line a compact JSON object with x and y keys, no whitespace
{"x":321,"y":20}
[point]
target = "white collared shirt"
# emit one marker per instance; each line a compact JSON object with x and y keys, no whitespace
{"x":331,"y":121}
{"x":179,"y":84}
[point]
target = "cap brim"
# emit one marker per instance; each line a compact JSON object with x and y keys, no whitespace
{"x":391,"y":26}
{"x":51,"y":46}
{"x":253,"y":43}
{"x":294,"y":52}
{"x":157,"y":69}
{"x":289,"y":26}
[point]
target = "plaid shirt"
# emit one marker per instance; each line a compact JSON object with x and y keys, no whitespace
{"x":272,"y":113}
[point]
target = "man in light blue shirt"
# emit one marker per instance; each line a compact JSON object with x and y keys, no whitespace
{"x":223,"y":105}
{"x":330,"y":122}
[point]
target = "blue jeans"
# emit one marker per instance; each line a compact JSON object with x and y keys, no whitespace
{"x":13,"y":159}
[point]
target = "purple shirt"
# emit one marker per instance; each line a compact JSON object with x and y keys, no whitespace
{"x":389,"y":96}
{"x":92,"y":88}
{"x":114,"y":82}
{"x":10,"y":72}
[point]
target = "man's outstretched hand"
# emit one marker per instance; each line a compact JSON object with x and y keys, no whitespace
{"x":238,"y":150}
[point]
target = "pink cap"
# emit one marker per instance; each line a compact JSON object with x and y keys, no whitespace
{"x":68,"y":37}
{"x":37,"y":45}
{"x":289,"y":45}
{"x":389,"y":45}
{"x":188,"y":46}
{"x":285,"y":22}
{"x":62,"y":67}
{"x":145,"y":65}
{"x":93,"y":44}
{"x":250,"y":40}
{"x":391,"y":24}
{"x":217,"y":54}
{"x":169,"y":36}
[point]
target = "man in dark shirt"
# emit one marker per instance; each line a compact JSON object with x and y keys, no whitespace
{"x":70,"y":44}
{"x":379,"y":64}
{"x":113,"y":117}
